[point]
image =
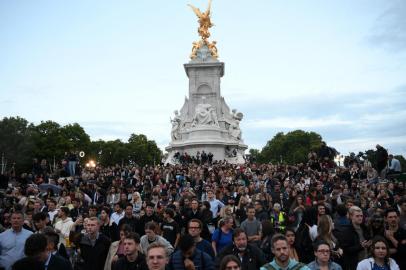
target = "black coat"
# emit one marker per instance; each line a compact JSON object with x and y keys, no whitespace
{"x":253,"y":257}
{"x":94,"y":256}
{"x":59,"y":263}
{"x":144,"y":220}
{"x":350,"y":243}
{"x":124,"y":264}
{"x":133,"y":222}
{"x":111,"y":231}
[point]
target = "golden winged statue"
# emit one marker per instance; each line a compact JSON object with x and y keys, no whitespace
{"x":203,"y":30}
{"x":204,"y":21}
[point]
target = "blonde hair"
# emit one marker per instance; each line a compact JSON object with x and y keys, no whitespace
{"x":157,"y":245}
{"x":324,"y":230}
{"x":354,"y":209}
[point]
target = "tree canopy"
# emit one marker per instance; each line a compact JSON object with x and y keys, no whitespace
{"x":292,"y":147}
{"x":21,"y":142}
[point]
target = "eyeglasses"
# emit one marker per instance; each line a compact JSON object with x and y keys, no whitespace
{"x":326,"y":251}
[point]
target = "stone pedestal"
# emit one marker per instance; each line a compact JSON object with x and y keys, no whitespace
{"x":205,"y":121}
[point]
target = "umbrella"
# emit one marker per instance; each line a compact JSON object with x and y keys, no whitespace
{"x":45,"y":187}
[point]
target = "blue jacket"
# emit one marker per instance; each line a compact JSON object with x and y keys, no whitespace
{"x":331,"y":266}
{"x":201,"y":260}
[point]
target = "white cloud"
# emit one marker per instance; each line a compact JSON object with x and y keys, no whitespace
{"x":297,"y":122}
{"x":394,"y":144}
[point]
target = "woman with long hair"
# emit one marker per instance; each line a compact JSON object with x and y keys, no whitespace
{"x":296,"y":211}
{"x":325,"y":228}
{"x":241,"y":208}
{"x":290,"y":235}
{"x":226,"y":211}
{"x":136,"y":201}
{"x":267,"y":233}
{"x":379,"y":259}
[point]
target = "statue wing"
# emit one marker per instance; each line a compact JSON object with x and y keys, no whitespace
{"x":208,"y":8}
{"x":196,"y":10}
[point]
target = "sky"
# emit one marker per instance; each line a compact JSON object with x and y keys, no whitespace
{"x":337,"y":68}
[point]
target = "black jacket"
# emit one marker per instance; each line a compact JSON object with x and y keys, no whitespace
{"x":133,"y":222}
{"x":95,"y":256}
{"x":59,"y":263}
{"x":111,"y":231}
{"x":253,"y":257}
{"x":350,"y":243}
{"x":124,"y":264}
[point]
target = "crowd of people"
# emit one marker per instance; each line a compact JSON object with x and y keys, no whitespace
{"x":205,"y":215}
{"x":200,"y":158}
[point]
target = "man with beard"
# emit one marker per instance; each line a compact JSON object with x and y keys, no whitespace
{"x":280,"y":248}
{"x":251,"y":256}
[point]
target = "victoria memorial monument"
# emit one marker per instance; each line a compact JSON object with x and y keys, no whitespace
{"x":205,"y":122}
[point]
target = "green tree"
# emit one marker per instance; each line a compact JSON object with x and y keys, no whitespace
{"x":16,"y":143}
{"x":109,"y":153}
{"x":21,"y":141}
{"x":254,"y":154}
{"x":75,"y":137}
{"x":50,"y":142}
{"x":292,"y":147}
{"x":143,"y":151}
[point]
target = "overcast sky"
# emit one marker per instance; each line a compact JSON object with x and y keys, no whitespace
{"x":116,"y":67}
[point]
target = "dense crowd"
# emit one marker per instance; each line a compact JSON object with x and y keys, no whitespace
{"x":204,"y":214}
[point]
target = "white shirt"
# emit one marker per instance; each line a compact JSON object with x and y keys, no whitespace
{"x":116,"y":217}
{"x":64,"y":226}
{"x":395,"y":165}
{"x":52,"y":215}
{"x":215,"y":206}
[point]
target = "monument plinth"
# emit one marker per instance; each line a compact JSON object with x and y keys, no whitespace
{"x":205,"y":121}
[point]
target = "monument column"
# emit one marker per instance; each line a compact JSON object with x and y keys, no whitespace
{"x":205,"y":122}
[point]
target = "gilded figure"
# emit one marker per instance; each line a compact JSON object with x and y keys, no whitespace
{"x":204,"y":21}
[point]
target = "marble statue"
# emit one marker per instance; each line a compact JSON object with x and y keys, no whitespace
{"x":234,"y":129}
{"x":205,"y":114}
{"x":175,"y":126}
{"x":205,"y":123}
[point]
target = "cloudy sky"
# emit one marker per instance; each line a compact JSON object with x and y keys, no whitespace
{"x":116,"y":67}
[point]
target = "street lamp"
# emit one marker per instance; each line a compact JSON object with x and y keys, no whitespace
{"x":91,"y":164}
